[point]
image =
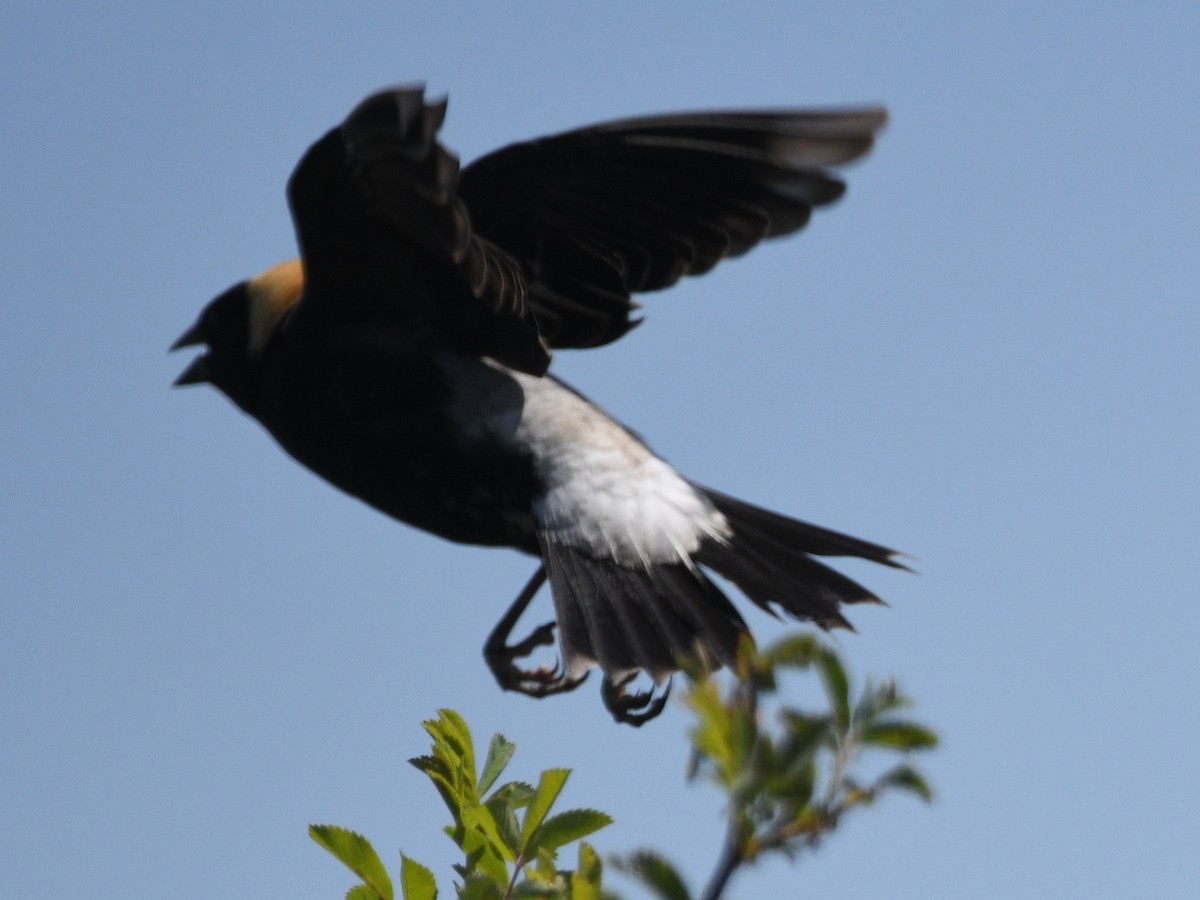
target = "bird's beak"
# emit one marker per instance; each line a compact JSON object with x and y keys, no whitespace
{"x":197,"y":372}
{"x":190,"y":338}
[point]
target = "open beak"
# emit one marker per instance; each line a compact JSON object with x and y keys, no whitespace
{"x":193,"y":337}
{"x":198,"y":371}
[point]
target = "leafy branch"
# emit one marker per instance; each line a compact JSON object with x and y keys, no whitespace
{"x":788,"y":785}
{"x":509,"y":839}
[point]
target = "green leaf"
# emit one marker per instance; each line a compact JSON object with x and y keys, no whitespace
{"x":357,"y":854}
{"x":804,"y":734}
{"x":541,"y":890}
{"x":549,"y":786}
{"x":361,"y":892}
{"x":542,"y":872}
{"x":878,"y":699}
{"x":795,"y":787}
{"x":416,"y":881}
{"x":656,"y":873}
{"x":793,"y":652}
{"x":477,"y":888}
{"x":500,"y":751}
{"x":435,"y":769}
{"x":713,"y":735}
{"x":906,"y":778}
{"x":483,"y":854}
{"x":837,"y":686}
{"x":518,"y":793}
{"x":749,"y":665}
{"x":505,"y":817}
{"x":900,"y":735}
{"x":452,"y":742}
{"x":545,"y":864}
{"x":478,"y":817}
{"x":559,"y":830}
{"x":585,"y":880}
{"x":456,"y":733}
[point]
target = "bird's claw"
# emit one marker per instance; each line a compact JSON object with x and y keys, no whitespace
{"x":540,"y":682}
{"x":635,"y":708}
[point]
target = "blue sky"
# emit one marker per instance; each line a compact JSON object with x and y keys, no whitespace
{"x":986,"y":356}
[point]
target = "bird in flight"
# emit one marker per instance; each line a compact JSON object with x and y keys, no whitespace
{"x":403,"y":358}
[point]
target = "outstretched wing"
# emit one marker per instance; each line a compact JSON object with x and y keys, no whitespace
{"x":600,"y":213}
{"x":384,"y":233}
{"x":541,"y":244}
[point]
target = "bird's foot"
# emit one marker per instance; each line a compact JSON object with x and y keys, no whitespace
{"x":542,"y":681}
{"x":635,"y":708}
{"x":501,"y":656}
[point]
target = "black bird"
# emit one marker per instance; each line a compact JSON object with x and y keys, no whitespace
{"x":403,"y":358}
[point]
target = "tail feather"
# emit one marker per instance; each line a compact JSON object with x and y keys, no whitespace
{"x":626,"y":618}
{"x":801,"y":536}
{"x":770,"y":558}
{"x":653,"y":616}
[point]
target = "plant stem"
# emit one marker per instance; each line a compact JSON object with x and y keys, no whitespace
{"x":731,"y":858}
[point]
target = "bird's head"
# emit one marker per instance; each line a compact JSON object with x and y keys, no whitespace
{"x":236,"y":328}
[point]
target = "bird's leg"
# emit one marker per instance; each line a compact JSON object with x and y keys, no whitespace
{"x":632,"y":709}
{"x":501,"y":656}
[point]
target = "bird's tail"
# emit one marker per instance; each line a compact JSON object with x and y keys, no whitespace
{"x":770,"y":558}
{"x":651,"y":618}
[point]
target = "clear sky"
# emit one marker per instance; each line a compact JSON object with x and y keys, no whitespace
{"x":987,"y":356}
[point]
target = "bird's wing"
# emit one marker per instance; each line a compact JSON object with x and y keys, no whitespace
{"x":597,"y":214}
{"x":385,"y":234}
{"x":542,"y":244}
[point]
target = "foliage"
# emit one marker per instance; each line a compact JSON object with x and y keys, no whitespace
{"x":509,"y":839}
{"x":788,"y":785}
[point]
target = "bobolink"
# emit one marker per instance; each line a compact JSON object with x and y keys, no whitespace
{"x":403,"y":358}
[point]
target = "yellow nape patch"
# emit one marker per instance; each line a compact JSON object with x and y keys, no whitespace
{"x":272,"y":293}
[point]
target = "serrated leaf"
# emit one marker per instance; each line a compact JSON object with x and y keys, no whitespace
{"x":477,"y":888}
{"x":416,"y":881}
{"x":478,"y":817}
{"x":361,"y":892}
{"x":505,"y":818}
{"x":435,"y":771}
{"x":837,"y":686}
{"x":357,"y":854}
{"x":428,"y":764}
{"x":483,"y":855}
{"x":500,"y":751}
{"x":653,"y":870}
{"x":518,"y":793}
{"x":559,"y":830}
{"x":452,"y":743}
{"x":456,"y":732}
{"x":585,"y":880}
{"x":906,"y":778}
{"x":549,"y":786}
{"x":900,"y":735}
